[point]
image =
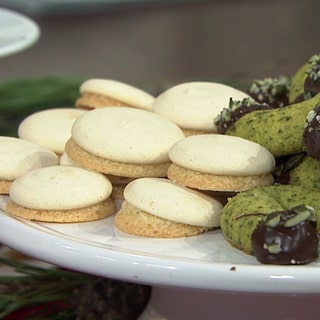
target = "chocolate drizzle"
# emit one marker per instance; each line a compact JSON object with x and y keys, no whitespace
{"x":311,"y":133}
{"x":287,"y":237}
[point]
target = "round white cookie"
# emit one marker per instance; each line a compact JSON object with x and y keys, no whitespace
{"x":60,"y":188}
{"x":50,"y":128}
{"x":167,"y":200}
{"x":118,"y":90}
{"x":194,"y":105}
{"x":222,"y":154}
{"x":126,"y":135}
{"x":220,"y":163}
{"x":18,"y":156}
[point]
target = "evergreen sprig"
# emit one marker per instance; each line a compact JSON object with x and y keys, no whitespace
{"x":35,"y":285}
{"x":53,"y":293}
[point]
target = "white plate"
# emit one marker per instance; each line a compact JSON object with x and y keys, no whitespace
{"x":17,"y":32}
{"x":201,"y":262}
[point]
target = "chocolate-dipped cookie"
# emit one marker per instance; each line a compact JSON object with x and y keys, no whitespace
{"x":279,"y":130}
{"x":311,"y":133}
{"x":287,"y":237}
{"x":237,"y":109}
{"x":300,"y":170}
{"x":243,"y":213}
{"x":305,"y":82}
{"x":272,"y":91}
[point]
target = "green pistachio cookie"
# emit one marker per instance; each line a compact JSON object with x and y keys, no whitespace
{"x":297,"y":83}
{"x":305,"y":82}
{"x":279,"y":130}
{"x":306,"y":173}
{"x":243,"y":212}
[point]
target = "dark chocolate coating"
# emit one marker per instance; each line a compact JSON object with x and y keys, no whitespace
{"x":311,"y":87}
{"x":271,"y":91}
{"x":298,"y":244}
{"x":284,"y":165}
{"x":311,"y":135}
{"x":278,"y":101}
{"x":223,"y":125}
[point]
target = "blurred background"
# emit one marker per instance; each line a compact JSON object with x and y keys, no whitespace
{"x":166,"y":41}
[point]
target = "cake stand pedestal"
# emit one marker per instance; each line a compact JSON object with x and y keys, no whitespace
{"x":176,"y":303}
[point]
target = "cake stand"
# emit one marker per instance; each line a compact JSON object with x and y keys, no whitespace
{"x":17,"y":32}
{"x":200,"y":277}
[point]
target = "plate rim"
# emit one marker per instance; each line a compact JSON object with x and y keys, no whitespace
{"x":31,"y":35}
{"x":155,"y":270}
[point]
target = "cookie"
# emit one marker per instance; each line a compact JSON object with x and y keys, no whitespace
{"x":305,"y":173}
{"x":61,"y":194}
{"x":217,"y":162}
{"x":305,"y":82}
{"x":19,"y":156}
{"x":50,"y":128}
{"x":279,"y":130}
{"x":97,"y":93}
{"x":272,"y":91}
{"x":123,"y":141}
{"x":287,"y":237}
{"x":65,"y":160}
{"x":194,"y":105}
{"x":118,"y":183}
{"x":118,"y":186}
{"x":242,"y":214}
{"x":157,"y":207}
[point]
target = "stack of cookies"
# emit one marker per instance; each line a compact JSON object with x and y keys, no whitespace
{"x":160,"y":156}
